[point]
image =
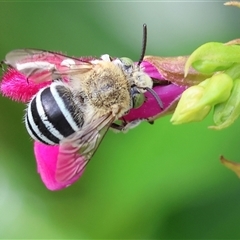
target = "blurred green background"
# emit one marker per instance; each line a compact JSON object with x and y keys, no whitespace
{"x":160,"y":181}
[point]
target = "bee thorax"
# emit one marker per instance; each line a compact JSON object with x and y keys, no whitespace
{"x":108,"y":89}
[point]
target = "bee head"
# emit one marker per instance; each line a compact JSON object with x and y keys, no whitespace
{"x":139,"y":81}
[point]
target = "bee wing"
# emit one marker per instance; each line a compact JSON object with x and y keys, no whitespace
{"x":40,"y":65}
{"x":76,"y":151}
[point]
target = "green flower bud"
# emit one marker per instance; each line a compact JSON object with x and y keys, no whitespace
{"x":227,"y":112}
{"x":212,"y":57}
{"x":196,"y":102}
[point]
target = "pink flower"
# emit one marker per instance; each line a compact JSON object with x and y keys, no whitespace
{"x":167,"y":74}
{"x":170,"y":83}
{"x":15,"y":86}
{"x":169,"y":94}
{"x":46,"y":157}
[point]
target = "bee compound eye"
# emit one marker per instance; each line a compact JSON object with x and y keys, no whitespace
{"x":138,"y":100}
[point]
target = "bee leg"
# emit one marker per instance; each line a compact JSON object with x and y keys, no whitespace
{"x":150,"y":121}
{"x":132,"y":124}
{"x":119,"y":127}
{"x":125,"y":126}
{"x":116,"y":127}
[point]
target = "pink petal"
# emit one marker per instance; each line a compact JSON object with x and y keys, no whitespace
{"x":169,"y":95}
{"x":151,"y":71}
{"x":47,"y":157}
{"x":17,"y":87}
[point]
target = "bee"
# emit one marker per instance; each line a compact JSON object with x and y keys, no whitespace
{"x":83,"y":100}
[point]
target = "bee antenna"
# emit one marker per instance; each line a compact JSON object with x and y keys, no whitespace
{"x":144,"y":44}
{"x":159,"y":101}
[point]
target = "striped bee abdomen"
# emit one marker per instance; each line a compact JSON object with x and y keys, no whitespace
{"x":52,"y":114}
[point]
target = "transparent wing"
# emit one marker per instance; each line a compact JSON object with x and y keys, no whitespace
{"x":76,"y":151}
{"x":40,"y":65}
